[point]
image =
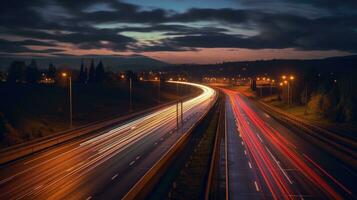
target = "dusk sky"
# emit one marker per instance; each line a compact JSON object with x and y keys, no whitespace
{"x":180,"y":31}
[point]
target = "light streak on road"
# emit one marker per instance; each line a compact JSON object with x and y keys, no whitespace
{"x":275,"y":177}
{"x":61,"y":171}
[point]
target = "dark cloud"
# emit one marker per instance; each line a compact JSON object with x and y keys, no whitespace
{"x":274,"y":30}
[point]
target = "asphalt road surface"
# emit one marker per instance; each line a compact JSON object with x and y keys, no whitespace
{"x":266,"y":160}
{"x":106,"y":165}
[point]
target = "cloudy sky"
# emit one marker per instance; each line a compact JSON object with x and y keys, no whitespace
{"x":180,"y":31}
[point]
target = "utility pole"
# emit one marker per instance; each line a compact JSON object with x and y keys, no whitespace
{"x":177,"y":117}
{"x":181,"y":114}
{"x":130,"y":95}
{"x":159,"y":91}
{"x":70,"y":102}
{"x":64,"y":75}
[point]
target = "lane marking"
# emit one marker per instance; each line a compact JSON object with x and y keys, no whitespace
{"x":138,"y":157}
{"x":245,"y":152}
{"x":132,"y":162}
{"x":38,"y":187}
{"x":89,"y":198}
{"x":113,"y":177}
{"x":256,"y":186}
{"x":250,"y":165}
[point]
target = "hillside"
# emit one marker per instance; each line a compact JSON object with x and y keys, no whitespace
{"x":114,"y":63}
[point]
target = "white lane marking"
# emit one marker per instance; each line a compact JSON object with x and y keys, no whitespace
{"x":89,"y":198}
{"x":256,"y":186}
{"x":259,"y":138}
{"x":281,"y":169}
{"x":250,"y":165}
{"x":38,"y":187}
{"x":132,"y":162}
{"x":245,"y":152}
{"x":138,"y":157}
{"x":113,"y":177}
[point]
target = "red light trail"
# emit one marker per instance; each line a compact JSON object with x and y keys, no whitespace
{"x":276,"y":179}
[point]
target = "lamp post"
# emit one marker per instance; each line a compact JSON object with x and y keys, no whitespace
{"x":130,"y":94}
{"x":70,"y":97}
{"x":288,"y":83}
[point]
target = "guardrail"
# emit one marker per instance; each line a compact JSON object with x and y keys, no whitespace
{"x":143,"y":187}
{"x":211,"y":188}
{"x":18,"y":151}
{"x":343,"y":148}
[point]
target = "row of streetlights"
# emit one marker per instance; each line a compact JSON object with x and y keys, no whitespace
{"x":287,"y":80}
{"x":67,"y":75}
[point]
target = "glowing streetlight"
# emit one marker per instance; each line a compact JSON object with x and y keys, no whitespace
{"x":283,"y":77}
{"x":281,"y":83}
{"x":292,"y":77}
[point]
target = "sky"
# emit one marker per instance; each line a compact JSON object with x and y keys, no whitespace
{"x":179,"y":31}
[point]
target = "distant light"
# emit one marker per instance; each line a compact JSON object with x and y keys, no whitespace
{"x":335,"y":81}
{"x":171,"y":79}
{"x":64,"y":74}
{"x":141,"y":78}
{"x":156,"y":78}
{"x":283,"y":77}
{"x":281,"y":83}
{"x":285,"y":82}
{"x":292,"y":77}
{"x":273,"y":81}
{"x":258,"y":79}
{"x":122,"y":76}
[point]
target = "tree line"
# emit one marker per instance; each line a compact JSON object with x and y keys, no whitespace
{"x":19,"y":72}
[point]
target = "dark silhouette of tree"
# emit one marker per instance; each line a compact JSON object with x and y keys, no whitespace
{"x":51,"y":73}
{"x":91,"y":77}
{"x":16,"y":72}
{"x":99,"y":72}
{"x":32,"y":73}
{"x":82,"y":74}
{"x":86,"y":74}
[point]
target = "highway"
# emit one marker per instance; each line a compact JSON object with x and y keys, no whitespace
{"x":267,"y":160}
{"x":104,"y":165}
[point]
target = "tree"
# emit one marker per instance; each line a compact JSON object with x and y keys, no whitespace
{"x":32,"y":73}
{"x":91,"y":77}
{"x":82,"y":74}
{"x":99,"y":72}
{"x":16,"y":72}
{"x":51,"y":73}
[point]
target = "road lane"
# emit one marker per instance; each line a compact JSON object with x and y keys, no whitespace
{"x":85,"y":168}
{"x":290,"y":166}
{"x":242,"y":180}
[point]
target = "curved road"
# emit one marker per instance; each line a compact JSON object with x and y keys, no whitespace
{"x":104,"y":166}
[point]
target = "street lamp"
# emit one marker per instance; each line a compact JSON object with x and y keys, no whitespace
{"x":130,"y":96}
{"x":64,"y":75}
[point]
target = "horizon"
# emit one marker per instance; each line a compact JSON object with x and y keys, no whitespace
{"x":182,"y":32}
